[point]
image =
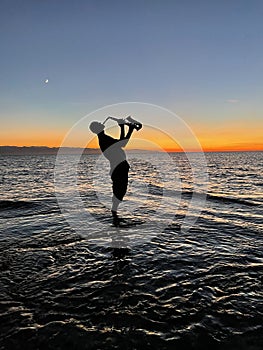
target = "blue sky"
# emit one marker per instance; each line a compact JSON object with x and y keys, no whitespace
{"x":201,"y":59}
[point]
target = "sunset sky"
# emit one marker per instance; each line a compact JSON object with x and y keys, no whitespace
{"x":203,"y":60}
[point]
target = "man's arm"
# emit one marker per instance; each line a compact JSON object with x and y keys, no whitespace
{"x":122,"y":136}
{"x":124,"y":139}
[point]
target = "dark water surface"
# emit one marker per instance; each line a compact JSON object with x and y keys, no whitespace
{"x":198,"y":289}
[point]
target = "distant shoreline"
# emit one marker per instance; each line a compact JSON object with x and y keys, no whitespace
{"x":45,"y":150}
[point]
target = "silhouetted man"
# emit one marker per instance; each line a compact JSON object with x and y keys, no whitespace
{"x":119,"y":167}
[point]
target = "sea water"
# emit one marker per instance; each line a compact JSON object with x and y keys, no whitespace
{"x":196,"y":288}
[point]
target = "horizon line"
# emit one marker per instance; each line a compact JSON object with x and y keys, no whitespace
{"x":173,"y":150}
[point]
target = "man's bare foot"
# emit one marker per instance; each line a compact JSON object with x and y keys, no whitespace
{"x":115,"y":218}
{"x":114,"y":214}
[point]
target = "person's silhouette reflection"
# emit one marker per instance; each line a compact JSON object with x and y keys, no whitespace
{"x":119,"y":167}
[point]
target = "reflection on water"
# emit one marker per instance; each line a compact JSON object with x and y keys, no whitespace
{"x":192,"y":290}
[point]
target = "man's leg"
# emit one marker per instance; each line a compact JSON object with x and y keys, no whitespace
{"x":115,"y":205}
{"x":119,"y":188}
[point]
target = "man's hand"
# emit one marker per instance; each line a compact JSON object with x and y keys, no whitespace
{"x":121,"y":121}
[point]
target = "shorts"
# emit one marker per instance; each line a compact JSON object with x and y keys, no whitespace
{"x":119,"y":178}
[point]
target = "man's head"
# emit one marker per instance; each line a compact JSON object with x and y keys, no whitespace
{"x":96,"y":127}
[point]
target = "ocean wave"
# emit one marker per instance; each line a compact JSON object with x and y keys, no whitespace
{"x":17,"y":204}
{"x":227,"y":200}
{"x":221,"y":198}
{"x":14,"y":208}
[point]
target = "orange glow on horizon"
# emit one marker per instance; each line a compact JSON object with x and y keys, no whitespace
{"x":227,"y":138}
